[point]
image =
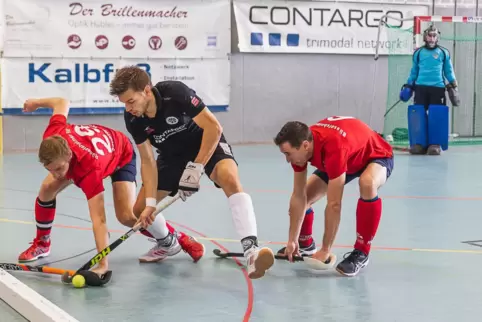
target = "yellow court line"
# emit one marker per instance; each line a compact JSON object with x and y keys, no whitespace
{"x":231,"y":240}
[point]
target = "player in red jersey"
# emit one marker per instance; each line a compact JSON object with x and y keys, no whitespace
{"x":85,"y":155}
{"x":342,"y":149}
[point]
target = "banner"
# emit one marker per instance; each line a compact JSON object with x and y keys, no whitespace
{"x":122,"y":28}
{"x":321,"y":27}
{"x":85,"y":82}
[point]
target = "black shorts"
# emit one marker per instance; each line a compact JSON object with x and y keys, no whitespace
{"x":384,"y":162}
{"x":170,"y":169}
{"x":127,"y":172}
{"x":429,"y":95}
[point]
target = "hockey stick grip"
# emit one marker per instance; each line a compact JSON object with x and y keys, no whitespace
{"x":34,"y":269}
{"x":159,"y":208}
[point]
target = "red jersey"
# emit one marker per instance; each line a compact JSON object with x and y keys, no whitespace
{"x":343,"y":144}
{"x":97,"y":152}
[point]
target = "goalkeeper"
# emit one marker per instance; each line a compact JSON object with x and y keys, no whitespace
{"x":431,"y":63}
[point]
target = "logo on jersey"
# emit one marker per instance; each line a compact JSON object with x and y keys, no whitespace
{"x":194,"y":101}
{"x":171,"y":120}
{"x":166,"y":134}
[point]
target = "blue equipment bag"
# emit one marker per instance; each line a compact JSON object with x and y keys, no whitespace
{"x":417,"y":125}
{"x":438,"y":126}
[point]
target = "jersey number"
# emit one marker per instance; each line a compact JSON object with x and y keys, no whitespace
{"x":339,"y":118}
{"x":84,"y":130}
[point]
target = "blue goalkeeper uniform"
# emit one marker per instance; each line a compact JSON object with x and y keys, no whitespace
{"x":430,"y":66}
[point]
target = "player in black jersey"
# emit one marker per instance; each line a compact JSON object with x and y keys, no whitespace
{"x":189,"y":140}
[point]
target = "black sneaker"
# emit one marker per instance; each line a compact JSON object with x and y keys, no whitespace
{"x":351,"y":264}
{"x":304,"y":251}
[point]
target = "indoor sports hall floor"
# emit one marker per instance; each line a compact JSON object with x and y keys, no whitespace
{"x":420,"y":268}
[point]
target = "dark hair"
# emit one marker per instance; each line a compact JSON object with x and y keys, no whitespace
{"x":129,"y":77}
{"x":294,"y":133}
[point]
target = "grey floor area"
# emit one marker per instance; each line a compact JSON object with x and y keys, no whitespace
{"x":421,"y":268}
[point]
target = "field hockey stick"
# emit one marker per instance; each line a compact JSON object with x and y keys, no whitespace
{"x":222,"y":254}
{"x":93,"y":277}
{"x":391,"y":108}
{"x":310,"y":262}
{"x":35,"y":269}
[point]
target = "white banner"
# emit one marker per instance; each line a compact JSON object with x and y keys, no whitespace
{"x":322,"y":27}
{"x":85,"y":82}
{"x":122,"y":28}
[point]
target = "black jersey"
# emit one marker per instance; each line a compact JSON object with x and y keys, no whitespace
{"x":172,"y":131}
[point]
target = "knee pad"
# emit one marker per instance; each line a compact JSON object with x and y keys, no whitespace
{"x":438,"y":126}
{"x":417,"y":126}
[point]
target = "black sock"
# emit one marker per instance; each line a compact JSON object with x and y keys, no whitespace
{"x":166,"y":241}
{"x":249,"y":242}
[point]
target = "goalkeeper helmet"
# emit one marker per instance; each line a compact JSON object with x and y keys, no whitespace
{"x":431,"y":36}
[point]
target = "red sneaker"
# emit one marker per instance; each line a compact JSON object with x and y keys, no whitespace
{"x":39,"y":249}
{"x":191,"y":246}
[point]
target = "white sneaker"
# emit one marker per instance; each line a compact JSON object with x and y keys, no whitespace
{"x":259,"y":261}
{"x":160,"y":252}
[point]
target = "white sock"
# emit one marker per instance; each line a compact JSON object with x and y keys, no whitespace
{"x":242,"y":211}
{"x":158,"y":229}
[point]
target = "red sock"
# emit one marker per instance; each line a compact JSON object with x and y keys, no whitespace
{"x":44,"y":216}
{"x":368,"y":214}
{"x":306,"y":231}
{"x":148,"y":234}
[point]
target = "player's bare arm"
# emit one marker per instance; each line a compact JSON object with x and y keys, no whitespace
{"x":296,"y":212}
{"x":59,"y":105}
{"x":333,"y":211}
{"x":149,"y":180}
{"x":99,"y":226}
{"x":212,"y":131}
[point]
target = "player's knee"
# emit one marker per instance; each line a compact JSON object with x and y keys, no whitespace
{"x":230,"y":184}
{"x":335,"y":206}
{"x":48,"y":191}
{"x":368,"y":186}
{"x":126,"y":218}
{"x":225,"y":174}
{"x":315,"y":189}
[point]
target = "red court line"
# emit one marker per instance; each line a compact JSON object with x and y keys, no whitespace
{"x":211,"y":239}
{"x":277,"y":191}
{"x":249,"y":308}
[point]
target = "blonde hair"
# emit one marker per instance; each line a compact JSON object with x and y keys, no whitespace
{"x":52,"y":149}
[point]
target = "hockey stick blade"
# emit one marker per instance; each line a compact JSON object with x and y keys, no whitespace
{"x":221,"y":254}
{"x":67,"y":278}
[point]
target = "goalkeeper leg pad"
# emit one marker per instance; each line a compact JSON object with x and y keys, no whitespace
{"x":438,"y":128}
{"x":417,"y":129}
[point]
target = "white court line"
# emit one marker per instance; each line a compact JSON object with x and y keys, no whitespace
{"x":28,"y":303}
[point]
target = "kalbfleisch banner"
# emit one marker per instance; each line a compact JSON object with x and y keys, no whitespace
{"x":323,"y":27}
{"x":122,"y":28}
{"x":85,"y":82}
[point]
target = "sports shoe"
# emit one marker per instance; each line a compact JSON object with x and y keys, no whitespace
{"x":258,"y":261}
{"x":434,"y":150}
{"x":161,"y":251}
{"x":304,"y":251}
{"x":353,"y":263}
{"x":191,"y":246}
{"x":39,"y":249}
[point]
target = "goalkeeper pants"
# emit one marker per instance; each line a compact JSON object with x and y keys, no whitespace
{"x":427,"y":95}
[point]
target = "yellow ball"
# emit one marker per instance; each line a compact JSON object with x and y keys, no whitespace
{"x":78,"y":281}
